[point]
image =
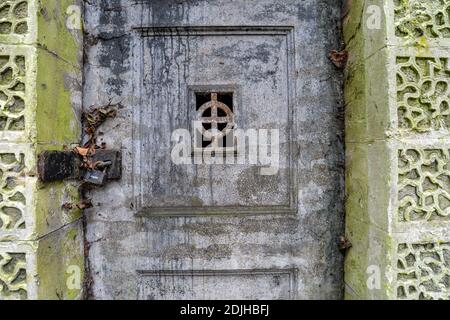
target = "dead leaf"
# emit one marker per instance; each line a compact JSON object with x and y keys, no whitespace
{"x":95,"y":117}
{"x":344,"y":243}
{"x":85,"y":204}
{"x":82,"y":151}
{"x":339,"y":58}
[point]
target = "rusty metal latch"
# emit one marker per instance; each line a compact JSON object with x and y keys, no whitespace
{"x":67,"y":165}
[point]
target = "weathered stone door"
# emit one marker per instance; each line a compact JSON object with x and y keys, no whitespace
{"x":180,"y":229}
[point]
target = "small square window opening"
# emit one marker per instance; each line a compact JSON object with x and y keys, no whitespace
{"x":216,"y":122}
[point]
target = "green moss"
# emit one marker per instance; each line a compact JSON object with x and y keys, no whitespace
{"x":72,"y":239}
{"x":58,"y":99}
{"x":368,"y":87}
{"x":49,"y":201}
{"x":52,"y":59}
{"x":53,"y":34}
{"x":57,"y":86}
{"x":56,"y":255}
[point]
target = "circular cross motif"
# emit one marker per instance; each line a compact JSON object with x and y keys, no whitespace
{"x":214,"y":133}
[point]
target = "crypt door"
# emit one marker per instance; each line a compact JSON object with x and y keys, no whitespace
{"x":231,"y":184}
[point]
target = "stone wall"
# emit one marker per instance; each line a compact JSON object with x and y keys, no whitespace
{"x":41,"y":252}
{"x":397,"y":127}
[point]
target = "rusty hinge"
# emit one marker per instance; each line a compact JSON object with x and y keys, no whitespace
{"x":66,"y":165}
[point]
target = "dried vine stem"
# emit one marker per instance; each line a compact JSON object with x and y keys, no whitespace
{"x":95,"y":117}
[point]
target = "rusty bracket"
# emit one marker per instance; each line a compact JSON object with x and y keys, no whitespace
{"x":67,"y":165}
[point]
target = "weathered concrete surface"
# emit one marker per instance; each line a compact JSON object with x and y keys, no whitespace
{"x":260,"y":256}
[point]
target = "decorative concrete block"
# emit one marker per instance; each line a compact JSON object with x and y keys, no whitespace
{"x":17,"y":92}
{"x":398,"y":221}
{"x":48,"y":268}
{"x":40,"y":106}
{"x":18,"y":21}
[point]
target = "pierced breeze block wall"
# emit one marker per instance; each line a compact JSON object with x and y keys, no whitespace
{"x":41,"y":244}
{"x":398,"y":149}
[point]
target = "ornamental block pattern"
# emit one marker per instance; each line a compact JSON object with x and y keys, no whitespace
{"x":424,"y":185}
{"x":423,"y":94}
{"x":418,"y":18}
{"x":12,"y":192}
{"x":423,"y":115}
{"x":14,"y":17}
{"x":15,"y":25}
{"x":13,"y":276}
{"x":34,"y":77}
{"x":12,"y":92}
{"x":423,"y":271}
